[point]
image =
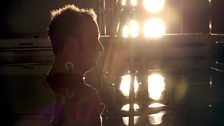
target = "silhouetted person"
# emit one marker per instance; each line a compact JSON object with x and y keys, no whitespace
{"x":74,"y":35}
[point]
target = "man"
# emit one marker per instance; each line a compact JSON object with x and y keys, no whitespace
{"x":74,"y":35}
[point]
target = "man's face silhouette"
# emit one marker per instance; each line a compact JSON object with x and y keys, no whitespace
{"x":90,"y":44}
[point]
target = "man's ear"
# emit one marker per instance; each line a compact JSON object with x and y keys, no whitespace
{"x":71,"y":45}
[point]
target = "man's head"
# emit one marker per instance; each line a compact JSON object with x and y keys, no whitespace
{"x":74,"y":31}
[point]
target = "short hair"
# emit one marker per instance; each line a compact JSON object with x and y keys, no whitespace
{"x":67,"y":21}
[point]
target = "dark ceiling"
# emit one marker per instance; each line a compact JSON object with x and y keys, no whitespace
{"x":25,"y":18}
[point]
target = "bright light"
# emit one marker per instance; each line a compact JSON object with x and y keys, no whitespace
{"x":132,"y":29}
{"x":126,"y":120}
{"x":125,"y":31}
{"x":125,"y":85}
{"x":127,"y":107}
{"x":154,"y":6}
{"x":133,"y":2}
{"x":156,"y":119}
{"x":154,"y":27}
{"x":156,"y":86}
{"x":123,"y":2}
{"x":156,"y":105}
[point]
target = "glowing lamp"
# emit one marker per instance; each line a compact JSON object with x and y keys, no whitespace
{"x":125,"y":85}
{"x":156,"y":86}
{"x":154,"y":27}
{"x":153,"y":6}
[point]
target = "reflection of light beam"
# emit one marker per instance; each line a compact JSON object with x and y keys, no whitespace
{"x":126,"y":120}
{"x":156,"y":86}
{"x":125,"y":85}
{"x":153,"y":6}
{"x":156,"y":105}
{"x":154,"y":27}
{"x":127,"y":107}
{"x":156,"y":119}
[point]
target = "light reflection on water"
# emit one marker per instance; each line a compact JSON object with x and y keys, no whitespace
{"x":156,"y":105}
{"x":127,"y":107}
{"x":126,"y":120}
{"x":157,"y":118}
{"x":153,"y":119}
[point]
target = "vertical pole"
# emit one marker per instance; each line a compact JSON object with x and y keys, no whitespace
{"x":132,"y":91}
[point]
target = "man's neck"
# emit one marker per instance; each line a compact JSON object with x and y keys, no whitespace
{"x":59,"y":66}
